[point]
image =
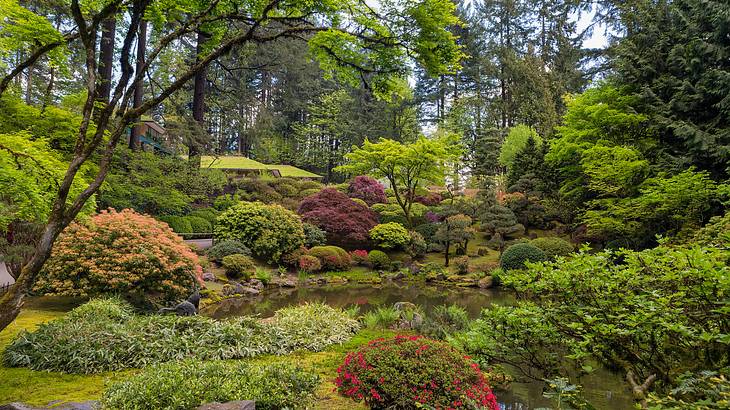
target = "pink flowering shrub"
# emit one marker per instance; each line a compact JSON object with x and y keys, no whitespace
{"x":359,"y":256}
{"x":402,"y":371}
{"x":309,"y":264}
{"x":346,"y":222}
{"x":123,"y":253}
{"x":368,"y":189}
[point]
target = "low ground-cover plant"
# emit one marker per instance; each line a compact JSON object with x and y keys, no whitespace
{"x":105,"y":335}
{"x":407,"y":371}
{"x":518,"y":254}
{"x":270,"y":231}
{"x":188,"y":384}
{"x":120,"y":252}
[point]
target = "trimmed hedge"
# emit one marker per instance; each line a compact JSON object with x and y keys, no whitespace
{"x":179,"y":224}
{"x":517,"y":255}
{"x":189,"y":384}
{"x":199,"y":225}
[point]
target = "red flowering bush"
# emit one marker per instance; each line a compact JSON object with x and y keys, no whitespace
{"x":332,"y":258}
{"x":309,"y":264}
{"x":368,"y":189}
{"x":345,"y":221}
{"x":402,"y":371}
{"x":120,"y":253}
{"x":359,"y":257}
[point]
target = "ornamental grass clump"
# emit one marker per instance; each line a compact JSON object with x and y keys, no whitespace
{"x":105,"y":335}
{"x":120,"y":253}
{"x":188,"y":384}
{"x":410,"y":371}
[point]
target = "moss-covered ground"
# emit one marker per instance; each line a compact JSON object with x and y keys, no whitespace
{"x":42,"y":388}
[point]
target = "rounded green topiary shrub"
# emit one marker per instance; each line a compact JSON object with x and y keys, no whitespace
{"x":379,"y":259}
{"x":553,"y":246}
{"x":390,"y":235}
{"x":188,"y":384}
{"x":209,"y":214}
{"x":332,"y":258}
{"x":404,"y":370}
{"x":227,"y":247}
{"x":516,"y":255}
{"x":179,"y":224}
{"x":239,"y":266}
{"x":270,"y":231}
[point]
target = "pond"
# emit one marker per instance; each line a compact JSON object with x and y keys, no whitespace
{"x":602,"y":388}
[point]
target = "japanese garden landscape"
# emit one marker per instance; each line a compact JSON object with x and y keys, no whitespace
{"x":393,"y":204}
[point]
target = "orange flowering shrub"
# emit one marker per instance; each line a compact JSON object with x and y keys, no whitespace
{"x":123,"y":253}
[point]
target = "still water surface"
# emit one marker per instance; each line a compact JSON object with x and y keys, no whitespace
{"x":603,"y":389}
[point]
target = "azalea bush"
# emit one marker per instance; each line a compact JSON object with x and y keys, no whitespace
{"x":120,"y":253}
{"x":190,"y":383}
{"x":346,"y":222}
{"x":359,"y":256}
{"x":368,"y":189}
{"x":390,"y":235}
{"x":407,"y":370}
{"x":270,"y":231}
{"x":309,"y":264}
{"x":378,"y":259}
{"x":105,"y":334}
{"x":239,"y":266}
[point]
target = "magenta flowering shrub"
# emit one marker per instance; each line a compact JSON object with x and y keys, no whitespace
{"x":346,"y":222}
{"x":404,"y":370}
{"x":368,"y":189}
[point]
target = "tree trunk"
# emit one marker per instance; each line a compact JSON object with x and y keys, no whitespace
{"x":106,"y":60}
{"x":199,"y":89}
{"x":12,"y":300}
{"x":446,"y":254}
{"x":139,"y":87}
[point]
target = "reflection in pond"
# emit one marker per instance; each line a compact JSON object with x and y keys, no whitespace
{"x":602,"y":388}
{"x":365,"y":296}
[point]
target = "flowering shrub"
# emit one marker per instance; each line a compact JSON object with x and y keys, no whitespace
{"x":309,"y":264}
{"x":120,"y":253}
{"x":332,"y":258}
{"x":390,"y":235}
{"x":405,"y":370}
{"x":368,"y":189}
{"x":359,"y":256}
{"x":379,"y":259}
{"x":270,"y":231}
{"x":346,"y":222}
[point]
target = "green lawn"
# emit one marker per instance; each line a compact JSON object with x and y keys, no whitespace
{"x":237,"y":162}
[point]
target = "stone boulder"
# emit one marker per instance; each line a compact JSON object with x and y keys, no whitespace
{"x":231,"y":405}
{"x":236,"y":288}
{"x":209,"y":277}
